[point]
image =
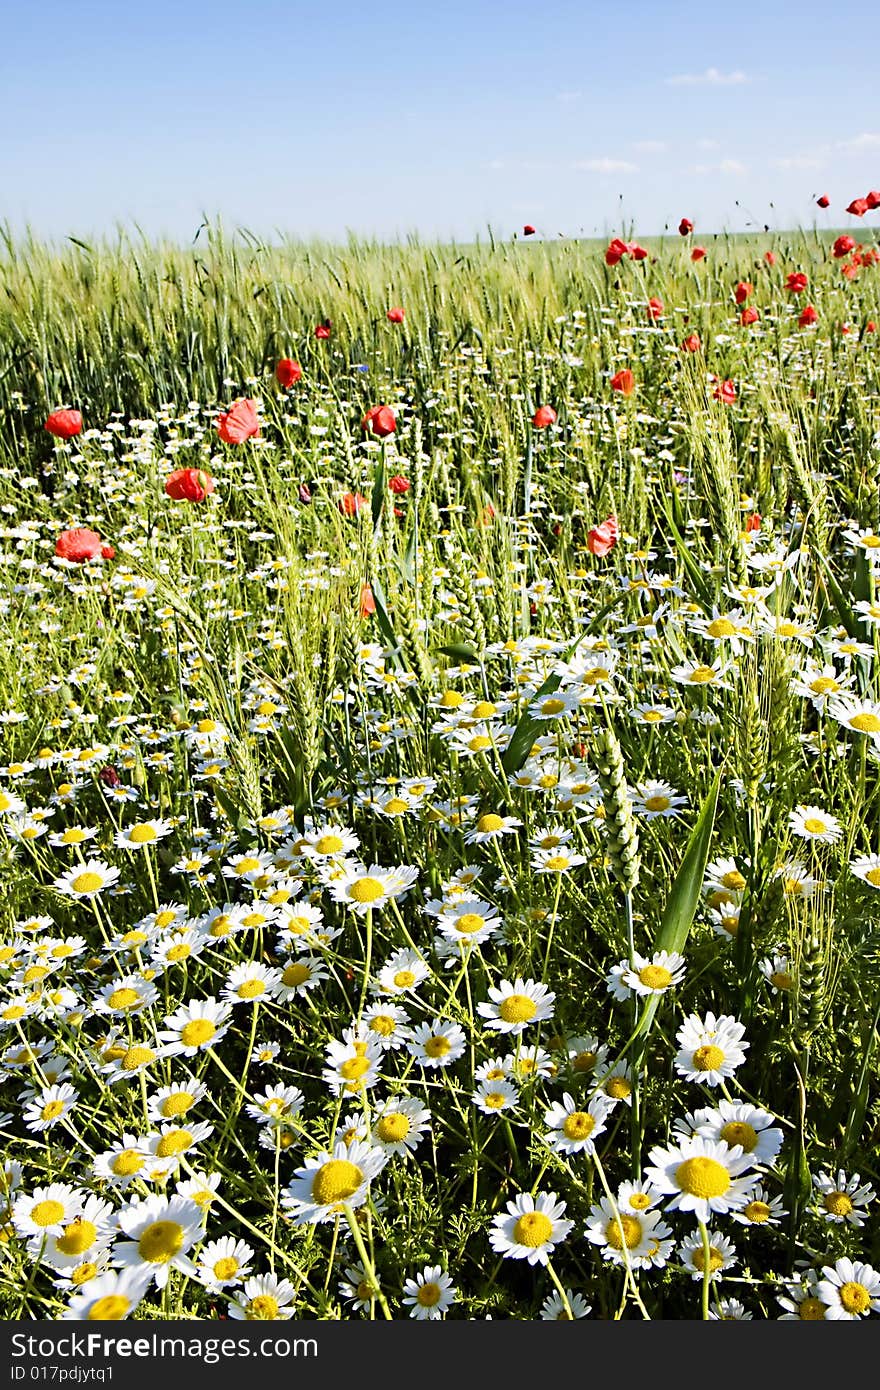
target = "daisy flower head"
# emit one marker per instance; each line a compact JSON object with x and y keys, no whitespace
{"x":429,"y":1294}
{"x":300,"y":976}
{"x":710,"y":1049}
{"x":436,"y":1044}
{"x":617,"y":1083}
{"x":86,"y":881}
{"x":50,"y":1106}
{"x":722,"y":1254}
{"x":490,"y":826}
{"x":174,"y":1140}
{"x":702,"y":1176}
{"x":468,"y":922}
{"x":762,"y":1209}
{"x":366,"y":888}
{"x":46,"y":1211}
{"x":856,"y":716}
{"x":812,"y":823}
{"x":249,"y":982}
{"x":663,"y":971}
{"x":627,"y":1237}
{"x":777,"y":971}
{"x":530,"y":1228}
{"x":554,"y":1308}
{"x":123,"y":1162}
{"x":276,"y":1105}
{"x":575,"y":1130}
{"x":173,"y":1102}
{"x":730,"y":1310}
{"x":400,"y":1125}
{"x":223,"y":1262}
{"x":264,"y":1298}
{"x":388,"y":1024}
{"x":801,"y":1301}
{"x":744,"y":1124}
{"x":867,"y":868}
{"x":359,"y":1288}
{"x":586,"y":1055}
{"x":325,"y":1184}
{"x":87,"y":1237}
{"x":513,"y":1006}
{"x":556,"y":861}
{"x":850,"y":1289}
{"x":130,"y":994}
{"x":194,"y":1027}
{"x":142,"y":834}
{"x":352,"y":1065}
{"x":492,"y":1097}
{"x":657,"y":800}
{"x":108,"y":1298}
{"x":842,"y":1200}
{"x":160,"y":1231}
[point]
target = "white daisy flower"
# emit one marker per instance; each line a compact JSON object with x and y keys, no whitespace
{"x":160,"y":1231}
{"x":710,"y":1049}
{"x":531,"y":1227}
{"x":430,"y":1294}
{"x":110,"y":1297}
{"x":702,"y":1176}
{"x":319,"y":1190}
{"x":513,"y":1006}
{"x":850,"y":1290}
{"x":575,"y":1129}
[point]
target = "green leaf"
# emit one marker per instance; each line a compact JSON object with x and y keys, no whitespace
{"x":378,"y":491}
{"x":845,"y":612}
{"x":684,"y":895}
{"x":694,"y":573}
{"x":460,"y":652}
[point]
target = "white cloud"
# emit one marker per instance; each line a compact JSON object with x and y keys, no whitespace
{"x":866,"y":141}
{"x":710,"y":78}
{"x":650,"y":146}
{"x":606,"y":166}
{"x":724,"y":166}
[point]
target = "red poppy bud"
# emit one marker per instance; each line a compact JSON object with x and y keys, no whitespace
{"x":698,"y":253}
{"x":807,"y":316}
{"x":743,"y":291}
{"x":602,"y":538}
{"x":545,"y":415}
{"x":304,"y":492}
{"x":748,"y":316}
{"x":395,"y":315}
{"x":367,"y":603}
{"x":796,"y":282}
{"x":287,"y":372}
{"x":350,"y":503}
{"x":324,"y":329}
{"x":655,"y":309}
{"x":239,"y":422}
{"x":842,"y":246}
{"x":685,"y":226}
{"x":858,"y":207}
{"x":870,"y":326}
{"x":754,"y":522}
{"x":624,"y":381}
{"x":379,"y":420}
{"x":64,"y":424}
{"x":823,"y":202}
{"x":770,"y":257}
{"x":528,"y":230}
{"x":399,"y":484}
{"x":108,"y":552}
{"x":78,"y":545}
{"x":109,"y":776}
{"x":189,"y":485}
{"x":692,"y":343}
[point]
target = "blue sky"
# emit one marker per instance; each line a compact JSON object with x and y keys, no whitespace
{"x":393,"y":118}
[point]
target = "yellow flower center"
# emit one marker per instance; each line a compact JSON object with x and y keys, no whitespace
{"x":142,"y":834}
{"x":517,"y":1008}
{"x":247,"y":865}
{"x":451,"y":699}
{"x":757,"y":1212}
{"x":226,"y":1268}
{"x":336,"y":1181}
{"x":383,"y":1024}
{"x":584,"y":1061}
{"x":404,"y":979}
{"x":197,"y":1032}
{"x":395,"y":806}
{"x":873,"y":877}
{"x":175,"y":1105}
{"x":366,"y":890}
{"x":655,"y":976}
{"x":854,"y":1297}
{"x":579,"y":1125}
{"x":87,"y":883}
{"x":812,"y":1310}
{"x":617,"y":1087}
{"x":734,"y":880}
{"x":123,"y":998}
{"x":126,"y":1163}
{"x":824,"y":685}
{"x":532,"y":1229}
{"x":484,"y":709}
{"x":702,"y":1177}
{"x":52,"y":1109}
{"x":83,"y":1273}
{"x":701,"y":675}
{"x":263,"y":1308}
{"x":77,"y":1237}
{"x":469,"y":922}
{"x":160,"y":1242}
{"x":488,"y":823}
{"x":438,"y":1046}
{"x":296,"y":974}
{"x":393,"y":1128}
{"x":251,"y":989}
{"x":814,"y":826}
{"x":73,"y":836}
{"x":837,"y":1203}
{"x":865,"y":723}
{"x":329,"y":844}
{"x":716,"y":1259}
{"x":47,"y":1213}
{"x":137,"y":1057}
{"x":353,"y":1068}
{"x":739,"y":1132}
{"x":629,"y":1236}
{"x":721,"y":627}
{"x":112,"y":1308}
{"x":176,"y":1141}
{"x":708,"y":1057}
{"x":781,"y":979}
{"x":640,"y":1201}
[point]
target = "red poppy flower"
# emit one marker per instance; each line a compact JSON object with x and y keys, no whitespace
{"x":64,"y":424}
{"x":615,"y":251}
{"x":873,"y":199}
{"x":842,"y":246}
{"x":287,"y":372}
{"x":655,"y":309}
{"x":858,"y":207}
{"x":379,"y":420}
{"x":239,"y":423}
{"x":807,"y":316}
{"x":637,"y":252}
{"x":770,"y":257}
{"x":395,"y":315}
{"x":870,"y":326}
{"x":749,"y":315}
{"x":744,"y":289}
{"x":350,"y":503}
{"x":624,"y":381}
{"x":698,"y":253}
{"x":189,"y":485}
{"x":399,"y":484}
{"x":725,"y":391}
{"x":823,"y":202}
{"x":602,"y":538}
{"x":851,"y":269}
{"x":367,"y":602}
{"x":528,"y":230}
{"x":685,"y":226}
{"x":692,"y":343}
{"x":81,"y":544}
{"x":754,"y":522}
{"x":796,"y":281}
{"x":545,"y":415}
{"x":324,"y":329}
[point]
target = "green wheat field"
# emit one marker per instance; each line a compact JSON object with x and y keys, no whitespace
{"x":439,"y":801}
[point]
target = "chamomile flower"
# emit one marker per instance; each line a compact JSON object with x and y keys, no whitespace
{"x":730,"y":1310}
{"x":47,"y":1210}
{"x":657,"y":800}
{"x":400,"y":1125}
{"x":369,"y":888}
{"x":352,"y":1066}
{"x":722,"y":1254}
{"x":812,"y":823}
{"x":359,"y":1288}
{"x":194,"y":1027}
{"x":642,"y":976}
{"x":702,"y":1176}
{"x":249,"y":982}
{"x":429,"y":1294}
{"x":264,"y":1298}
{"x":850,"y":1289}
{"x":128,"y":995}
{"x":174,"y":1140}
{"x":617,"y":1083}
{"x":554,"y":1308}
{"x":531,"y":1228}
{"x":867,"y":868}
{"x":299,"y":976}
{"x":744,"y":1124}
{"x":402,"y":973}
{"x":222,"y":1263}
{"x":762,"y":1209}
{"x":710,"y":1048}
{"x":86,"y":881}
{"x":514,"y":1005}
{"x":161,"y":1230}
{"x":436,"y":1044}
{"x":856,"y":716}
{"x":493,"y":1097}
{"x":802,"y":1302}
{"x":324,"y":1184}
{"x":573,"y":1129}
{"x":124,"y":1161}
{"x":109,"y":1297}
{"x":842,"y":1200}
{"x":386,"y":1023}
{"x":142,"y":834}
{"x":173,"y":1102}
{"x":490,"y":826}
{"x":51,"y":1105}
{"x":86,"y":1236}
{"x":276,"y":1105}
{"x":627,"y":1237}
{"x":586,"y":1055}
{"x":469,"y":922}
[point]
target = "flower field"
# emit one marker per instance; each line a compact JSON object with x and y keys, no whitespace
{"x":439,"y":800}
